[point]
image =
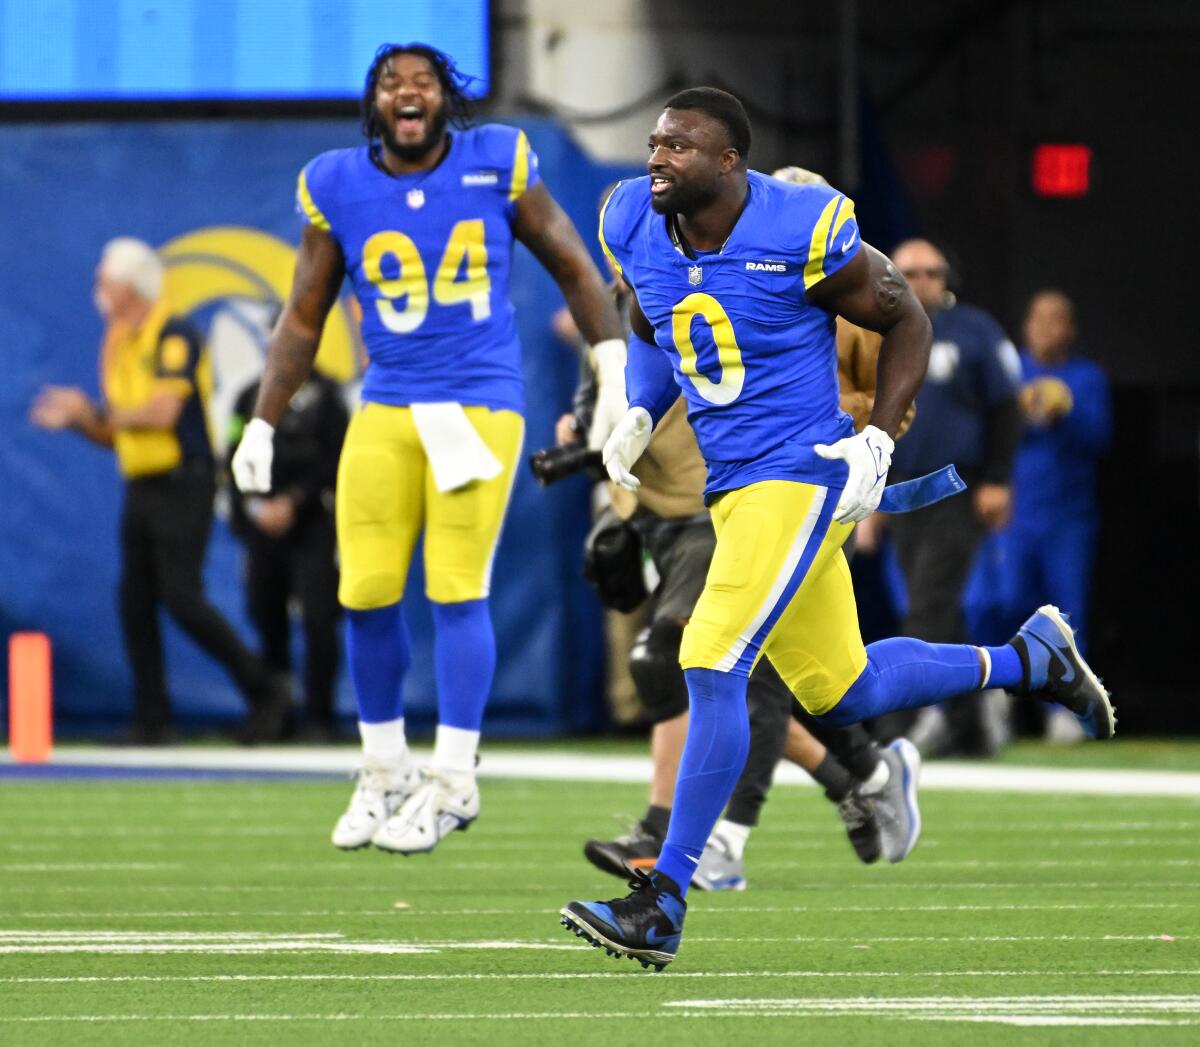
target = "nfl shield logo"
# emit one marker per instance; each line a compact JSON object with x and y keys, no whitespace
{"x":694,"y":275}
{"x":416,"y":198}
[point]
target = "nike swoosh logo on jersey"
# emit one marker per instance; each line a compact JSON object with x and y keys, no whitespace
{"x":846,"y":245}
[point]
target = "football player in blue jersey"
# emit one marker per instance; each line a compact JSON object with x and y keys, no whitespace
{"x":738,"y":278}
{"x":422,"y":219}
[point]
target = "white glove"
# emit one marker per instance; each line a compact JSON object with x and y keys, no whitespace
{"x":625,"y":446}
{"x":611,"y":405}
{"x":252,"y":461}
{"x":869,"y":455}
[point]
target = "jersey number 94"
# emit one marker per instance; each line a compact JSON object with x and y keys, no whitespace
{"x":461,"y":276}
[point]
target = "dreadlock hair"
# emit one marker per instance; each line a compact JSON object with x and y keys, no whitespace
{"x":459,"y":106}
{"x":722,"y":107}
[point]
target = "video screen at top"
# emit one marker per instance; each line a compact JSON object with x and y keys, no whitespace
{"x":179,"y":50}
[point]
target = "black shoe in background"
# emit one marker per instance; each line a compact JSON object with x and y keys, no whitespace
{"x":637,"y":849}
{"x":270,"y":716}
{"x":862,"y":827}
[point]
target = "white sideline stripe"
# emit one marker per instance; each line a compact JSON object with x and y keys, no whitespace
{"x":512,"y":1016}
{"x":509,"y":867}
{"x":956,"y":939}
{"x":517,"y":839}
{"x":1024,"y":1020}
{"x":1121,"y":1001}
{"x":407,"y":914}
{"x":1004,"y":1010}
{"x":156,"y":936}
{"x":37,"y":867}
{"x":591,"y":976}
{"x":537,"y":764}
{"x":237,"y":943}
{"x":1048,"y":1020}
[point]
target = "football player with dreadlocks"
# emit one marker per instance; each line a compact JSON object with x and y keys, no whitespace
{"x":422,"y":219}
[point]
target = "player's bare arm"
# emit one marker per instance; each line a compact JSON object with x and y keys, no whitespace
{"x":161,"y":411}
{"x":543,"y":227}
{"x":869,"y":291}
{"x":320,"y":269}
{"x":638,"y":322}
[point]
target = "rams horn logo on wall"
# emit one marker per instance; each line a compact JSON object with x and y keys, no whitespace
{"x":245,"y":275}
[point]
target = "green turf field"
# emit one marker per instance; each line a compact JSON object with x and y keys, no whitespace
{"x":216,"y":912}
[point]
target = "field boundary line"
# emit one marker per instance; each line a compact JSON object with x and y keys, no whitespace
{"x":540,"y":765}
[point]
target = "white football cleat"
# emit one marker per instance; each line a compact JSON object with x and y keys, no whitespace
{"x":438,"y":807}
{"x":380,"y":792}
{"x":895,"y":802}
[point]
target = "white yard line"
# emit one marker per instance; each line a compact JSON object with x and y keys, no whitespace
{"x":231,"y":943}
{"x":543,"y":765}
{"x":1041,"y":1010}
{"x":590,"y":976}
{"x":402,"y":914}
{"x":488,"y":1017}
{"x":239,"y":943}
{"x":1025,"y":1013}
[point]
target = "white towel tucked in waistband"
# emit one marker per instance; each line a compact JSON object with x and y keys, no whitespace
{"x":457,"y":453}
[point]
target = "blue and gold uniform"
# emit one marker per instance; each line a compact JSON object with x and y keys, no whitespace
{"x":429,"y":256}
{"x":757,"y":364}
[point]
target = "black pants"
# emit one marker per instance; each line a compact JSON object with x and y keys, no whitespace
{"x":936,"y":547}
{"x":301,"y":564}
{"x":164,"y":532}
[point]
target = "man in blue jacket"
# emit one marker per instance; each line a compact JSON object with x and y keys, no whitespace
{"x":1064,"y":399}
{"x":966,"y":415}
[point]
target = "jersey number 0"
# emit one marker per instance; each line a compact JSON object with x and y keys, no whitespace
{"x":729,"y":355}
{"x":465,"y":244}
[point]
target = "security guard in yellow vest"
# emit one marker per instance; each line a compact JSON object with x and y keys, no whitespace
{"x":156,"y":379}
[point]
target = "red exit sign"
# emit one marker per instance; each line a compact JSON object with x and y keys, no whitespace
{"x":1062,"y":170}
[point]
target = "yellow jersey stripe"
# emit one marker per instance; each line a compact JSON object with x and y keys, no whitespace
{"x":844,"y":215}
{"x":600,"y":232}
{"x":814,"y":269}
{"x":310,"y":209}
{"x":520,"y":170}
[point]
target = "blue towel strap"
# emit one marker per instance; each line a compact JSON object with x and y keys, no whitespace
{"x":924,"y":490}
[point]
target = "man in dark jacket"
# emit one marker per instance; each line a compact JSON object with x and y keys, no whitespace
{"x":290,"y":540}
{"x":966,"y":415}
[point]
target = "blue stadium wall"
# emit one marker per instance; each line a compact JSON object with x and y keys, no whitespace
{"x":65,"y":190}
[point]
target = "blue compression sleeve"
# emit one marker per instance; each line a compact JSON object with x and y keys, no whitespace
{"x":464,"y":661}
{"x":649,"y":378}
{"x":378,"y":653}
{"x":718,"y":740}
{"x":903,"y":673}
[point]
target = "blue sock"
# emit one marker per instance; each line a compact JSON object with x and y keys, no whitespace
{"x":903,"y":673}
{"x":378,"y":653}
{"x":1006,"y":666}
{"x":718,"y":740}
{"x":464,"y":661}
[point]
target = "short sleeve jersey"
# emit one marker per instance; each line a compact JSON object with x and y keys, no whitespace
{"x":429,"y":256}
{"x":166,"y":354}
{"x":756,"y":361}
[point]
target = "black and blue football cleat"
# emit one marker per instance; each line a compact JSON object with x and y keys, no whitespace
{"x":1054,"y":671}
{"x":646,"y":925}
